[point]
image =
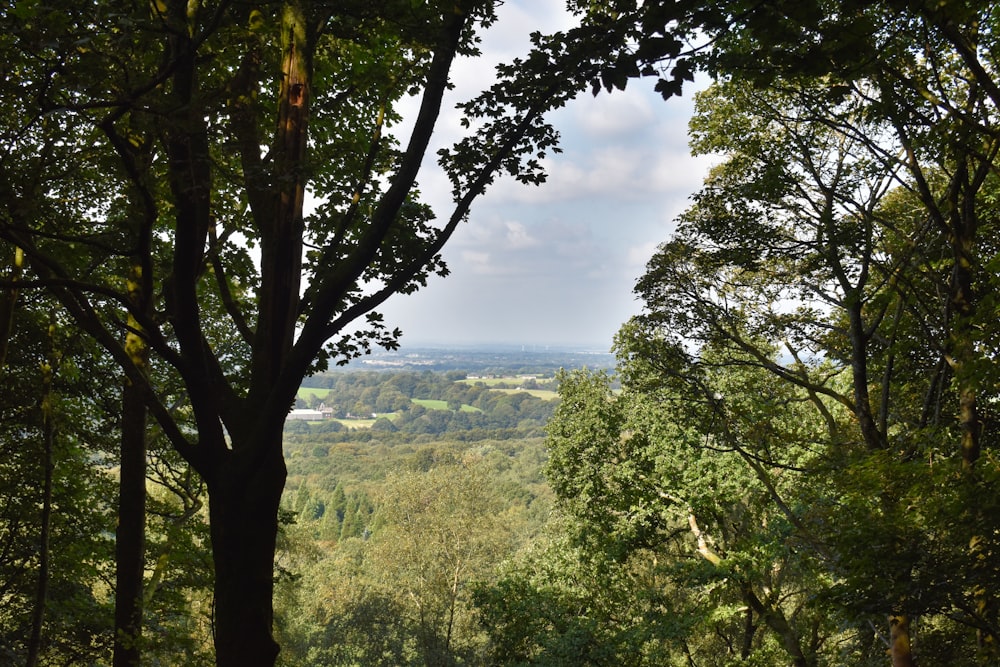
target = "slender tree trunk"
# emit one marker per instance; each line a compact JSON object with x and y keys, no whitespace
{"x":775,"y":619}
{"x":749,"y":630}
{"x":130,"y":536}
{"x":962,"y":309}
{"x":452,"y":604}
{"x":48,"y":462}
{"x":7,"y":304}
{"x":244,"y":495}
{"x":899,"y":642}
{"x":874,"y":438}
{"x":963,"y":320}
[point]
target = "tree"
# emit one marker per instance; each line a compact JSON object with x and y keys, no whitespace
{"x":56,"y":494}
{"x":841,"y":248}
{"x":846,"y":231}
{"x":438,"y":531}
{"x":560,"y":603}
{"x":398,"y":592}
{"x":692,"y":513}
{"x":214,"y":120}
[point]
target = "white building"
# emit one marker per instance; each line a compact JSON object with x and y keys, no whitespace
{"x":306,"y":414}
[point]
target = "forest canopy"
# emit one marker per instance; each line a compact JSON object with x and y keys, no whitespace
{"x":799,"y":467}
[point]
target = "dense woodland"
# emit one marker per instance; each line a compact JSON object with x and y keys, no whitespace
{"x":504,"y":409}
{"x":391,"y":529}
{"x":793,"y":463}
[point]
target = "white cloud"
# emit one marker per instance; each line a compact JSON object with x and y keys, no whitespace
{"x":615,"y":116}
{"x":629,"y":146}
{"x":518,"y":237}
{"x":556,"y":263}
{"x":610,"y":171}
{"x":682,"y":172}
{"x":479,"y":262}
{"x":638,"y":256}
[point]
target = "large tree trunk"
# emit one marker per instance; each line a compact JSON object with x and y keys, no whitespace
{"x":244,"y":495}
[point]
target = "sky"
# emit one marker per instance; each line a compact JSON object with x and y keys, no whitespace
{"x":555,"y":264}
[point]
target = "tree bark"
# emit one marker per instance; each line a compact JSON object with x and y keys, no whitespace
{"x":874,"y":438}
{"x":7,"y":303}
{"x":42,"y":589}
{"x":899,"y":642}
{"x":775,"y":619}
{"x":130,"y":536}
{"x":749,"y":630}
{"x":282,"y":231}
{"x":244,"y":495}
{"x":961,"y":311}
{"x":962,"y":350}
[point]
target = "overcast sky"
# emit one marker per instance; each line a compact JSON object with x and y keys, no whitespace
{"x":556,"y":264}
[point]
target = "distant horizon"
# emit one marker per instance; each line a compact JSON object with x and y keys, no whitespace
{"x":429,"y":354}
{"x":524,"y":346}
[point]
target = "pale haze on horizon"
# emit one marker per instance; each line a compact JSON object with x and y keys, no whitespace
{"x":555,"y":264}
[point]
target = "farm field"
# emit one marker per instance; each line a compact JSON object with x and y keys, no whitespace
{"x":438,"y":404}
{"x":357,"y":423}
{"x":493,"y":382}
{"x":305,"y":393}
{"x":544,"y":394}
{"x":509,"y":384}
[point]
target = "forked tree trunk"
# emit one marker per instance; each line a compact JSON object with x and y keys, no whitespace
{"x":244,"y":495}
{"x":245,"y":481}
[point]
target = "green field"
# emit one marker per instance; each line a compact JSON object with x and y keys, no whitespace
{"x":436,"y":404}
{"x":359,"y":423}
{"x":305,"y":393}
{"x":544,"y":394}
{"x":491,"y":382}
{"x":352,"y":423}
